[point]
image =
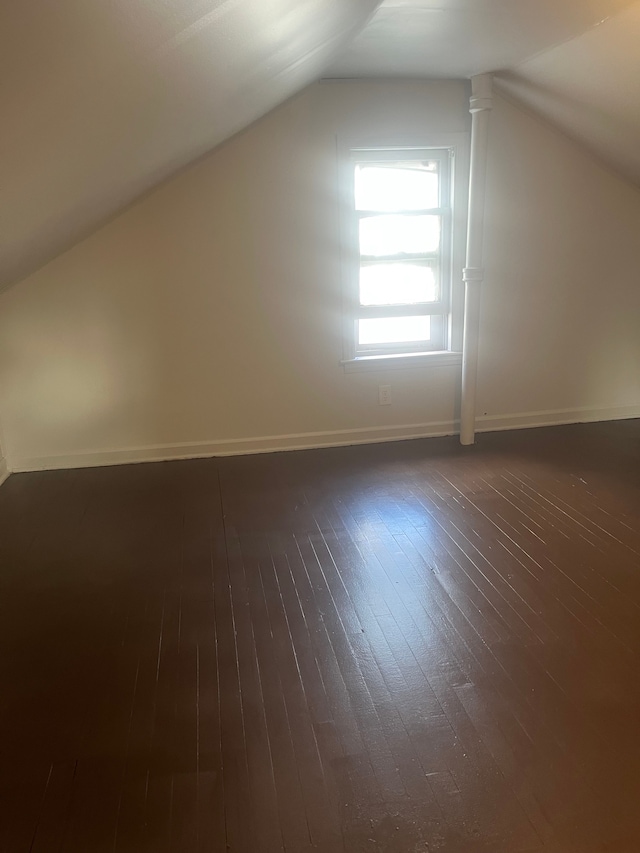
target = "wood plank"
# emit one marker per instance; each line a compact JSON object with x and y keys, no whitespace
{"x":406,"y":647}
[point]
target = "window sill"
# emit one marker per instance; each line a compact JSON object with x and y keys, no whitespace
{"x":441,"y":358}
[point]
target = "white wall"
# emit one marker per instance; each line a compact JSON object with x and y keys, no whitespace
{"x":207,"y":317}
{"x":561,"y":309}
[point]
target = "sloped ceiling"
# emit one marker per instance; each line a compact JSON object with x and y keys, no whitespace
{"x":460,"y":38}
{"x":102,"y":99}
{"x":590,"y":88}
{"x":575,"y":62}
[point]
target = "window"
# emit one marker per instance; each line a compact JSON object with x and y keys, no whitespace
{"x":399,"y":234}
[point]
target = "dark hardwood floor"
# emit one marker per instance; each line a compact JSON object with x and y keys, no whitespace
{"x":409,"y":648}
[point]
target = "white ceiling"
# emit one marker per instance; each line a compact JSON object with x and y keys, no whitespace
{"x":590,"y":88}
{"x":102,"y":99}
{"x":575,"y":62}
{"x":460,"y":38}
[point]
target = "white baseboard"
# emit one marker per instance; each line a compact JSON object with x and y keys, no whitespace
{"x":234,"y":446}
{"x":4,"y":471}
{"x":555,"y":417}
{"x":312,"y":440}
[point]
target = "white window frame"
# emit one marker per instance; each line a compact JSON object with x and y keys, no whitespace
{"x":454,"y":147}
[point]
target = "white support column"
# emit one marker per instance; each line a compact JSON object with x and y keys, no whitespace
{"x":479,"y":106}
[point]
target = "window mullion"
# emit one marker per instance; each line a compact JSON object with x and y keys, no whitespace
{"x":427,"y":211}
{"x":428,"y":257}
{"x":419,"y":309}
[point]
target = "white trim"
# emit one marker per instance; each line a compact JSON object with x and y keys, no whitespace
{"x":235,"y":446}
{"x":456,"y":142}
{"x":438,"y":358}
{"x":311,"y":440}
{"x":556,"y":417}
{"x":4,"y":471}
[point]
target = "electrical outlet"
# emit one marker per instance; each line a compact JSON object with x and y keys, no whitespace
{"x":384,"y":395}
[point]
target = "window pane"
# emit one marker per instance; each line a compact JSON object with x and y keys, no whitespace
{"x":389,"y":284}
{"x":396,"y":235}
{"x":391,"y":330}
{"x":411,"y":185}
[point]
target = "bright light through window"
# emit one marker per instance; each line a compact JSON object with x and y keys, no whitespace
{"x":397,"y":235}
{"x":397,"y":186}
{"x":401,"y":221}
{"x":393,"y":284}
{"x":387,"y":330}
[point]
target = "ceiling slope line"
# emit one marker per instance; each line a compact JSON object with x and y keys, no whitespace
{"x":596,"y":158}
{"x":103,"y":112}
{"x":550,"y":48}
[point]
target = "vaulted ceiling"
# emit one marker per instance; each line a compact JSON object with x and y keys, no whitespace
{"x":102,"y":99}
{"x":590,"y":88}
{"x":459,"y":38}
